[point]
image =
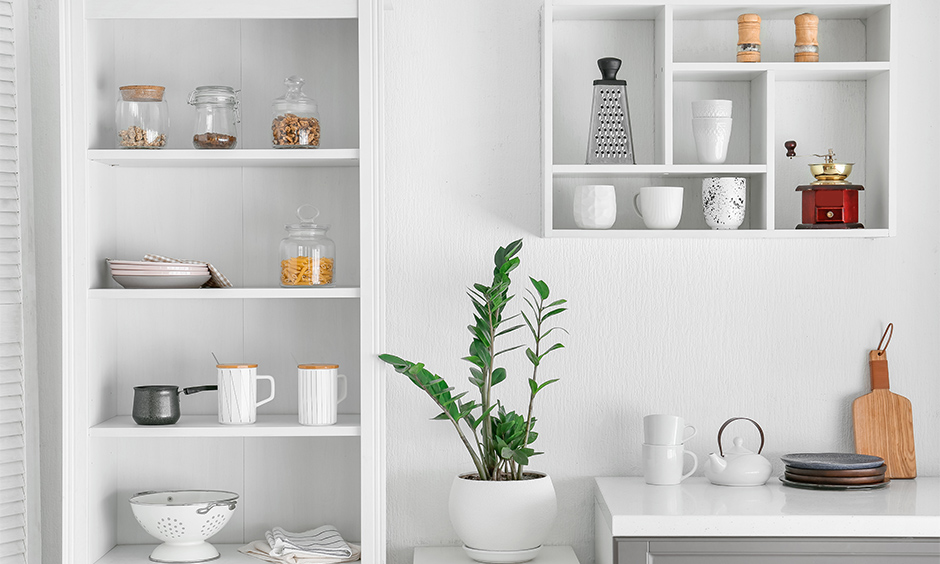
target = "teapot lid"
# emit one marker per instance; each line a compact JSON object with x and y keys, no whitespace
{"x":738,"y":447}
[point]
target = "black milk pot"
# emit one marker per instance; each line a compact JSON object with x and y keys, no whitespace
{"x":160,"y":405}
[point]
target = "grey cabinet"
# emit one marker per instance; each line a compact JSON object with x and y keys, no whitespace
{"x":777,"y":550}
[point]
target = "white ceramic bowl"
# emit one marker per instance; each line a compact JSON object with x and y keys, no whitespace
{"x":183,"y":520}
{"x":711,"y":108}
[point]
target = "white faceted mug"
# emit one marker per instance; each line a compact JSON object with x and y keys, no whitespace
{"x":723,"y":201}
{"x":318,"y":393}
{"x":595,"y":206}
{"x":238,"y":393}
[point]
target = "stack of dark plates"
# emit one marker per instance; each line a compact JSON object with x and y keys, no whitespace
{"x":834,"y":471}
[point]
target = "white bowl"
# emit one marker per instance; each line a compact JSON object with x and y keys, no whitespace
{"x":161,"y":282}
{"x":711,"y":108}
{"x":123,"y":272}
{"x":183,"y":520}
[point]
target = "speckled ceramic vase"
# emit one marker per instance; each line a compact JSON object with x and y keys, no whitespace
{"x":723,"y":201}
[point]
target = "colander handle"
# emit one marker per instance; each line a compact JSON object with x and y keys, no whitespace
{"x":230,"y":504}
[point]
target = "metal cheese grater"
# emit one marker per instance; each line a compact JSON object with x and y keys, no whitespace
{"x":610,"y":140}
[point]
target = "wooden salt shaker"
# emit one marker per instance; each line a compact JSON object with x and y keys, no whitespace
{"x":806,"y":48}
{"x":748,"y":38}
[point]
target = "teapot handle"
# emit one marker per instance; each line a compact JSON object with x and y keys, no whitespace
{"x":725,"y":424}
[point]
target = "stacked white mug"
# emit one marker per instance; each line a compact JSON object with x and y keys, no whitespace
{"x":664,"y":450}
{"x":711,"y":129}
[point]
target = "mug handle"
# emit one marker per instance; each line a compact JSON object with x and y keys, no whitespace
{"x":345,"y":388}
{"x":694,"y":465}
{"x":636,"y":206}
{"x":269,"y":398}
{"x":694,"y":430}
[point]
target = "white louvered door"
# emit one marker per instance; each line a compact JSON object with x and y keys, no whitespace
{"x":15,"y":453}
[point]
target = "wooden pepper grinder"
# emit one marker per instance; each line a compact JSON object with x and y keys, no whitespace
{"x":806,"y":48}
{"x":748,"y":38}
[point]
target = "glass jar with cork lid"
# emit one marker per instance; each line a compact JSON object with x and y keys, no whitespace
{"x":141,"y":117}
{"x":296,"y":122}
{"x":307,"y":254}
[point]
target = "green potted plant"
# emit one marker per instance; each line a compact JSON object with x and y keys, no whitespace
{"x":501,"y":511}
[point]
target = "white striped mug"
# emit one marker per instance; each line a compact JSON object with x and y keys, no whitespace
{"x":318,"y":393}
{"x":238,"y":393}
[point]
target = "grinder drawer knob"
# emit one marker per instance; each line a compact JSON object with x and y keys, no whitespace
{"x":830,"y":214}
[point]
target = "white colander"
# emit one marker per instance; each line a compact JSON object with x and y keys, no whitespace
{"x":183,"y":520}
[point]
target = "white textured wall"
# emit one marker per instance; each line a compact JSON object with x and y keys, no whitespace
{"x":778,"y":330}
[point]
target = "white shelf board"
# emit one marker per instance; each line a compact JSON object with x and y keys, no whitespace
{"x":457,"y":555}
{"x":606,"y":10}
{"x":229,"y":9}
{"x":718,"y":234}
{"x":223,"y":157}
{"x":224,"y":293}
{"x":594,"y":171}
{"x":826,"y":9}
{"x":784,"y":71}
{"x":347,"y":425}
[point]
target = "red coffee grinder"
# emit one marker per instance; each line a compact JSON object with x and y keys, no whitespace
{"x":831,"y":202}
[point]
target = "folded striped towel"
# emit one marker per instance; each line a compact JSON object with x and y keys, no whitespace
{"x":262,"y":551}
{"x":217,"y":280}
{"x":322,"y":541}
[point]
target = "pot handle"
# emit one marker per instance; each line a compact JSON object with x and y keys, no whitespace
{"x":230,"y":504}
{"x":196,"y":389}
{"x":725,"y":424}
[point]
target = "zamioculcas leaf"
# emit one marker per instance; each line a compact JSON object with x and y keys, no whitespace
{"x":532,"y":358}
{"x":498,"y":375}
{"x":545,"y":383}
{"x":533,"y":386}
{"x":553,"y":312}
{"x":554,"y":347}
{"x":541,"y":287}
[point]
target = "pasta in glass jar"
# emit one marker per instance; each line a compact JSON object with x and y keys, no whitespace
{"x":307,"y":254}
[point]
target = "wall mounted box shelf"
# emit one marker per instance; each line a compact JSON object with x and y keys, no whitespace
{"x":676,"y":52}
{"x":228,"y":207}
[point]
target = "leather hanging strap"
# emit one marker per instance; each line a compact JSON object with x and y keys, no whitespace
{"x":878,"y":361}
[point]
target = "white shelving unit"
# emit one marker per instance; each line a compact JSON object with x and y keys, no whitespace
{"x":228,"y":207}
{"x":676,"y":52}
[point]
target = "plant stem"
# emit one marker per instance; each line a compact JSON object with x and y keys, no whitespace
{"x":535,"y":369}
{"x":488,"y":384}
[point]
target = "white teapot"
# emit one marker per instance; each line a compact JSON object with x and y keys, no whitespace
{"x":739,"y":466}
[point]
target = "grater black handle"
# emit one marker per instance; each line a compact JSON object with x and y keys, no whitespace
{"x":609,"y":67}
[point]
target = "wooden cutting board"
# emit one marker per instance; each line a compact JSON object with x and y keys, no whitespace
{"x":884,"y":422}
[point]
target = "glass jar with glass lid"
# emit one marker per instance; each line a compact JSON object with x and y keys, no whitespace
{"x":216,"y":117}
{"x":296,"y":121}
{"x":307,"y":254}
{"x":141,"y":117}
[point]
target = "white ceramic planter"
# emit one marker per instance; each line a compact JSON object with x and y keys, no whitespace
{"x":502,"y":521}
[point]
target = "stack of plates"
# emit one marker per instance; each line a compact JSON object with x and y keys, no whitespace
{"x":144,"y":274}
{"x":834,"y":471}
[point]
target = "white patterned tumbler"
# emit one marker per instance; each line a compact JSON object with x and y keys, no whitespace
{"x":595,"y":206}
{"x":238,"y":393}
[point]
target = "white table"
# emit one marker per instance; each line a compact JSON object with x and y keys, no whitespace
{"x":629,"y":508}
{"x":456,"y":555}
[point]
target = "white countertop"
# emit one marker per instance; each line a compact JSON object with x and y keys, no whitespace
{"x":697,"y":508}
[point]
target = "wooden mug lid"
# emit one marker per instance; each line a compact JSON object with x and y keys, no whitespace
{"x":236,"y":366}
{"x":316,"y":366}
